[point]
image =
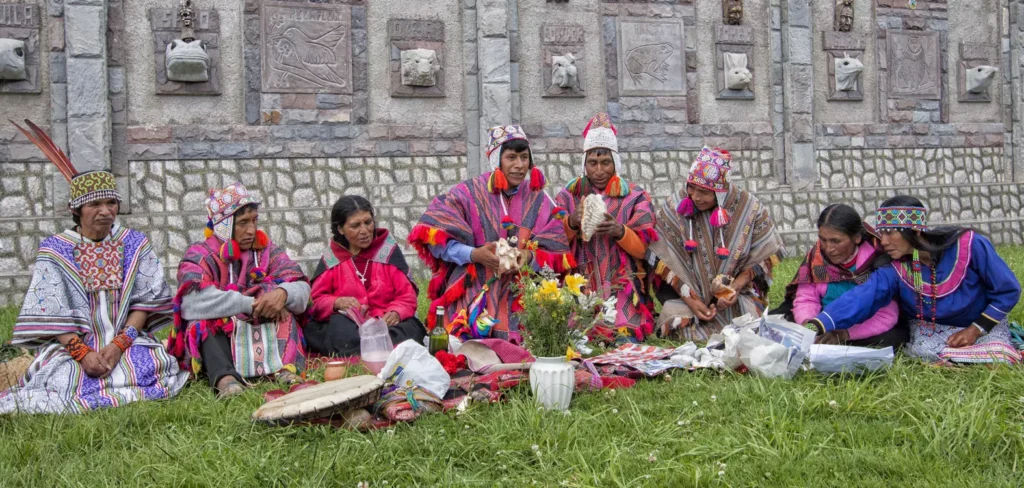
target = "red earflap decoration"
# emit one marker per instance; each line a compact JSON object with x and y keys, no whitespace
{"x":537,"y":181}
{"x":261,"y":241}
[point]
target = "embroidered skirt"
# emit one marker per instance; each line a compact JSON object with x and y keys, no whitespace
{"x":931,"y":346}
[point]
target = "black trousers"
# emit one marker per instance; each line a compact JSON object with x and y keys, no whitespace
{"x":340,"y":335}
{"x":217,"y":362}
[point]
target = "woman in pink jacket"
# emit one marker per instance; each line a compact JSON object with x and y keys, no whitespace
{"x":846,"y":254}
{"x":363,"y":273}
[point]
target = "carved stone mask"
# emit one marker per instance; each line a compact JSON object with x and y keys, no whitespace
{"x":12,"y":59}
{"x":980,"y":78}
{"x":419,"y":67}
{"x":737,"y":76}
{"x":187,"y":62}
{"x":847,"y":72}
{"x":563,"y":71}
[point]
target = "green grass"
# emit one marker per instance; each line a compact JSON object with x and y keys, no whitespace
{"x":913,"y":425}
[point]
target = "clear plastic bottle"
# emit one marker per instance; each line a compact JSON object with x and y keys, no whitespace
{"x":375,"y":344}
{"x":439,"y":336}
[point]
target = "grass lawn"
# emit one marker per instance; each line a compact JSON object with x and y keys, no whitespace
{"x":913,"y":425}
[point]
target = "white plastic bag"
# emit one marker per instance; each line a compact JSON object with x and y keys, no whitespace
{"x":411,"y":364}
{"x":849,"y":359}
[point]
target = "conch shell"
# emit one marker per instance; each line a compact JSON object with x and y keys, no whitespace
{"x":594,"y":210}
{"x":721,"y":289}
{"x":508,"y":256}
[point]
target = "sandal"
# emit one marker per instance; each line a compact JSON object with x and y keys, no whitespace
{"x":230,"y":388}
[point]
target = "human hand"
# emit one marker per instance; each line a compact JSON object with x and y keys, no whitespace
{"x":270,"y":305}
{"x":730,"y":301}
{"x":835,"y":337}
{"x":576,"y":219}
{"x":701,"y":311}
{"x":343,"y":304}
{"x":964,"y":338}
{"x":96,"y":365}
{"x":392,"y":318}
{"x":610,"y":228}
{"x":486,"y":256}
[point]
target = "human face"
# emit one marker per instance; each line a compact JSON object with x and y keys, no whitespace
{"x":245,"y":228}
{"x":895,"y":245}
{"x":600,"y":169}
{"x":838,"y":247}
{"x":703,"y":199}
{"x":515,"y":164}
{"x":359,"y":230}
{"x":97,"y":218}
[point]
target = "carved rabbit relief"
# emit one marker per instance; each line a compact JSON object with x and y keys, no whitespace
{"x":737,"y":76}
{"x":847,"y":72}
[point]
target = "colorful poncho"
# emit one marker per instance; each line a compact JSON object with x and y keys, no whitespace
{"x":88,"y":288}
{"x":750,"y":236}
{"x":607,"y":265}
{"x":258,"y":349}
{"x":472,"y":215}
{"x":816,"y":268}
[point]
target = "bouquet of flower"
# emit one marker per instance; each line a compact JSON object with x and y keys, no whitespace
{"x":555,"y":313}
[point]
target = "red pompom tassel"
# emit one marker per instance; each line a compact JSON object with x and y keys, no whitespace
{"x":230,"y":251}
{"x":719,"y":217}
{"x":559,"y":213}
{"x":262,"y":241}
{"x":690,"y":245}
{"x":722,"y":253}
{"x":686,"y":207}
{"x":537,"y":181}
{"x":497,"y":182}
{"x":507,"y":223}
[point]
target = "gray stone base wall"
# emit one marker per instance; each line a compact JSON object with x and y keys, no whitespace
{"x":966,"y":186}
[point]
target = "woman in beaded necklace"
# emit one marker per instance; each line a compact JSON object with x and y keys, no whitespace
{"x":950,"y":280}
{"x":362,"y":274}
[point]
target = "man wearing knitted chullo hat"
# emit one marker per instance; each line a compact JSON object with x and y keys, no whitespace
{"x":239,"y":299}
{"x":613,"y":258}
{"x":456,"y":238}
{"x":716,"y":251}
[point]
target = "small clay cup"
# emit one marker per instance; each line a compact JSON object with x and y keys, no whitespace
{"x":335,"y":371}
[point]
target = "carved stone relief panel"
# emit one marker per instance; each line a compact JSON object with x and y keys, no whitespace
{"x":651,"y":57}
{"x":19,"y":55}
{"x":417,"y":58}
{"x":166,"y":25}
{"x":562,"y":63}
{"x":732,"y":12}
{"x":734,"y":62}
{"x":914,"y":64}
{"x":845,"y":54}
{"x":976,"y":72}
{"x":844,"y":16}
{"x":306,"y":48}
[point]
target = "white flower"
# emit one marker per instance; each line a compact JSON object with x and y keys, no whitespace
{"x":385,"y":483}
{"x":391,"y":431}
{"x":833,"y":404}
{"x":537,"y":453}
{"x":721,"y":473}
{"x":1021,"y":399}
{"x":652,"y":458}
{"x":722,"y":465}
{"x":615,"y":410}
{"x":700,"y":413}
{"x":567,"y":413}
{"x":929,"y":400}
{"x":363,"y":484}
{"x":467,"y":426}
{"x":714,"y":398}
{"x":647,"y":476}
{"x":680,"y":423}
{"x":535,"y":447}
{"x":695,"y":403}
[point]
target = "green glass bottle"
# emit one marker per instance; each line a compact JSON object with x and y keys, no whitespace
{"x":439,"y":336}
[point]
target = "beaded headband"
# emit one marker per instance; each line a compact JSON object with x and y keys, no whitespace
{"x":896,"y":218}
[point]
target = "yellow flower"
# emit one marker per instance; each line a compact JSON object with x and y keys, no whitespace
{"x":549,"y":289}
{"x":575,"y":283}
{"x":569,"y":354}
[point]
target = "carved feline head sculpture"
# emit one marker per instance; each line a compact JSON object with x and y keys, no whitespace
{"x":737,"y":76}
{"x":419,"y":67}
{"x":187,"y":62}
{"x":847,"y":72}
{"x":563,"y":71}
{"x":979,"y":78}
{"x":12,"y":59}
